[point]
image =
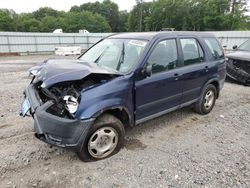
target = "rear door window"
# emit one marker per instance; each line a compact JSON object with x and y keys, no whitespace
{"x":214,"y":47}
{"x":192,"y":51}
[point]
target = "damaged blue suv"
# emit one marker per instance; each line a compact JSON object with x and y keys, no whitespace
{"x":123,"y":80}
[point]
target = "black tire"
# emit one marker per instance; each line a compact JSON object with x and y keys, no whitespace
{"x":105,"y":121}
{"x":200,"y":106}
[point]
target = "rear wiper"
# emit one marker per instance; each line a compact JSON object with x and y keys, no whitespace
{"x":100,"y":56}
{"x":121,"y":60}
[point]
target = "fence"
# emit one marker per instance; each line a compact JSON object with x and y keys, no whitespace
{"x":230,"y":38}
{"x":26,"y":43}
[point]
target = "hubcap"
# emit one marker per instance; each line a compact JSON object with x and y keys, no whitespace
{"x":209,"y":100}
{"x":103,"y":142}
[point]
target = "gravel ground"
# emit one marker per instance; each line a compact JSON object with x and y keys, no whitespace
{"x":179,"y":149}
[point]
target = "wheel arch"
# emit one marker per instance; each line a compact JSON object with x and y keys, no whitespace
{"x":216,"y":84}
{"x":120,"y":112}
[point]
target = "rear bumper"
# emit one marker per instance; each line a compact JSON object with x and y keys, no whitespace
{"x":62,"y":132}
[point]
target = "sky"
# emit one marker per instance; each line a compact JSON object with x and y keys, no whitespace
{"x":20,"y":6}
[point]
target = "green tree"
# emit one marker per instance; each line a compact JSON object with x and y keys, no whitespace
{"x":195,"y":15}
{"x":74,"y":21}
{"x":45,"y":11}
{"x":123,"y":21}
{"x":108,"y":9}
{"x":168,"y":14}
{"x":134,"y":17}
{"x":50,"y":23}
{"x":111,"y":13}
{"x":26,"y":23}
{"x":238,"y":18}
{"x":216,"y":15}
{"x":7,"y":22}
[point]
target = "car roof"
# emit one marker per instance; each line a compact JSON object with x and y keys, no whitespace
{"x":151,"y":35}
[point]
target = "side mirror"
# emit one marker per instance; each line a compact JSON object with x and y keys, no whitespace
{"x":147,"y":70}
{"x":234,"y":47}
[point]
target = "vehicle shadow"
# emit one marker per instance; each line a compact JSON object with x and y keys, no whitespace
{"x":176,"y":119}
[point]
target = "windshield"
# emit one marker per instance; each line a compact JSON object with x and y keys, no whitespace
{"x":245,"y":46}
{"x":117,"y":54}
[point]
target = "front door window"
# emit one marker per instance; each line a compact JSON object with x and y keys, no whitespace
{"x":164,"y":56}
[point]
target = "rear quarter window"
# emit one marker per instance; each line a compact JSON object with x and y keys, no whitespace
{"x":214,"y":48}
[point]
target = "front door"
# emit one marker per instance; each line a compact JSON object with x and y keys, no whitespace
{"x":162,"y":90}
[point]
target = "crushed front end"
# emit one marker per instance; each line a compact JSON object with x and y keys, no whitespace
{"x":53,"y":123}
{"x":239,"y":70}
{"x":53,"y":99}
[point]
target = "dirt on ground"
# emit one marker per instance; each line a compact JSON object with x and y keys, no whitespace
{"x":179,"y":149}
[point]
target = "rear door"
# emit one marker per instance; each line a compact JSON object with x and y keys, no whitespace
{"x":217,"y":61}
{"x":195,"y":69}
{"x":162,"y":90}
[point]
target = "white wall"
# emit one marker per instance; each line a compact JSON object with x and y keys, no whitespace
{"x":26,"y":43}
{"x":20,"y":42}
{"x":230,"y":38}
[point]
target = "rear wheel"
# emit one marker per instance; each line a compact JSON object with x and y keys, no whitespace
{"x":206,"y":103}
{"x":105,"y":138}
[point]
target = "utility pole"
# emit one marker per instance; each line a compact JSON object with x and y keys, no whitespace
{"x":140,"y":2}
{"x":233,"y":5}
{"x":141,"y":16}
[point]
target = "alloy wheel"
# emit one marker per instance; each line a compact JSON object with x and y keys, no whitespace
{"x":103,"y":142}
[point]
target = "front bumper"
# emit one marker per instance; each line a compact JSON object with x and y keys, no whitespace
{"x":62,"y":132}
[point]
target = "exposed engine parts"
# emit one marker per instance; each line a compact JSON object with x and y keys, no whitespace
{"x":67,"y":95}
{"x":71,"y":103}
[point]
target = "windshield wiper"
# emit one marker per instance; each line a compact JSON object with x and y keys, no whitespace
{"x":121,"y":59}
{"x":100,"y":56}
{"x":242,"y":50}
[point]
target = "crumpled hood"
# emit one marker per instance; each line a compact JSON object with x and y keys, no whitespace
{"x":53,"y":71}
{"x":240,"y":55}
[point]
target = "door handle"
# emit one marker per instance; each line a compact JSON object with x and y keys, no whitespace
{"x":206,"y":68}
{"x":176,"y":76}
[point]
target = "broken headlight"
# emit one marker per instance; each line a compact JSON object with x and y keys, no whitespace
{"x":35,"y":72}
{"x":71,"y":103}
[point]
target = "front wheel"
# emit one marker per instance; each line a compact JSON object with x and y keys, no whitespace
{"x":105,"y":138}
{"x":206,"y":103}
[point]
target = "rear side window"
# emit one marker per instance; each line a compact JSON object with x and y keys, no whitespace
{"x":192,"y":51}
{"x":214,"y":47}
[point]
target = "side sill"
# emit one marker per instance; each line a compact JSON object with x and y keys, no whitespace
{"x":164,"y":112}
